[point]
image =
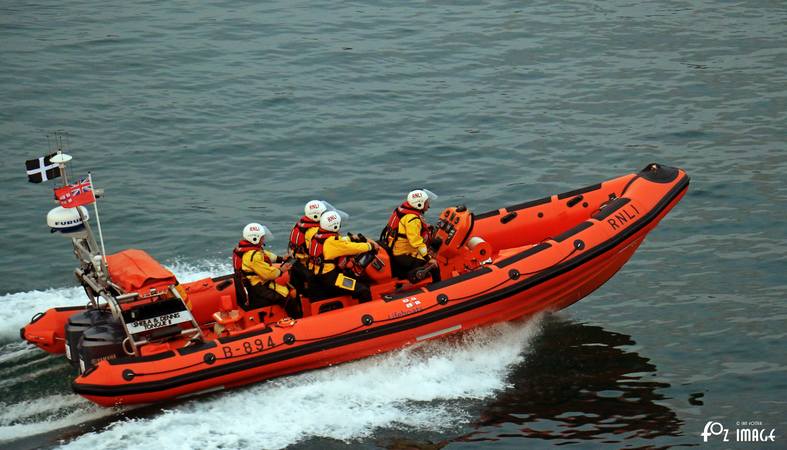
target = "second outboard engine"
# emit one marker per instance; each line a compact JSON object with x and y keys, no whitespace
{"x":100,"y":342}
{"x":77,"y":324}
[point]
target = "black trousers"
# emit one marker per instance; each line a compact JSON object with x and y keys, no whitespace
{"x":402,"y":265}
{"x":260,"y":296}
{"x":299,"y":276}
{"x":324,"y":286}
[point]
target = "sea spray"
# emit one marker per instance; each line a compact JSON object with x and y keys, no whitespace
{"x":23,"y":364}
{"x":419,"y":388}
{"x":425,"y":387}
{"x":44,"y":414}
{"x":17,"y":309}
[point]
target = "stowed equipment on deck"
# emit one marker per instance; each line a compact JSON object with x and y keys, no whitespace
{"x":144,"y":305}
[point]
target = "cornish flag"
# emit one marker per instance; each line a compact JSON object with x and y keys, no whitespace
{"x":42,"y":169}
{"x":77,"y":194}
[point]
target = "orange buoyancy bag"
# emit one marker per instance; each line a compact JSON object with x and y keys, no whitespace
{"x":391,"y":231}
{"x":298,"y":235}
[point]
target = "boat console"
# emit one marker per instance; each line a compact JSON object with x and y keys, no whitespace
{"x":457,"y":249}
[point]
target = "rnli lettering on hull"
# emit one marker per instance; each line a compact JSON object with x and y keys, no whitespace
{"x":622,"y":217}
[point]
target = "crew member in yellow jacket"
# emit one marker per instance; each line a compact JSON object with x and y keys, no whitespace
{"x":327,"y":252}
{"x":254,"y":266}
{"x":407,"y":234}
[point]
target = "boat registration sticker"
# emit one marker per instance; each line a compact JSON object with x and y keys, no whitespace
{"x":159,"y":322}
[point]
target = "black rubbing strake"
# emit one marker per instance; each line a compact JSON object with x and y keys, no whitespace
{"x":196,"y":348}
{"x":486,"y":214}
{"x":522,"y":255}
{"x":140,"y":359}
{"x":610,"y":208}
{"x":577,"y":229}
{"x":579,"y":191}
{"x":529,"y":204}
{"x":574,"y":201}
{"x":397,"y":295}
{"x":457,"y":279}
{"x":508,"y":217}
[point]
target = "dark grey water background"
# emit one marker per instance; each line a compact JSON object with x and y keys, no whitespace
{"x":199,"y":118}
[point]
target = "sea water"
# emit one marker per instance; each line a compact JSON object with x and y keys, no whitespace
{"x":199,"y":118}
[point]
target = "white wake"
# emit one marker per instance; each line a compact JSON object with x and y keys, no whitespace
{"x":416,"y":388}
{"x":419,"y":388}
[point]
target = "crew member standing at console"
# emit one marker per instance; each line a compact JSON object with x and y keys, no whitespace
{"x":300,"y":240}
{"x":326,"y":253}
{"x":254,"y":268}
{"x":407,"y":236}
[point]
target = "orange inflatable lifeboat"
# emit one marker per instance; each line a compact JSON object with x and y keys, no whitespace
{"x":155,"y":339}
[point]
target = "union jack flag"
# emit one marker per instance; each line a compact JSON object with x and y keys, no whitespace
{"x":77,"y":194}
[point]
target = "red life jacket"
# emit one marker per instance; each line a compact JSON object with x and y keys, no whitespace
{"x":298,"y":235}
{"x":237,"y":265}
{"x":316,"y":257}
{"x":243,"y":247}
{"x":391,"y":231}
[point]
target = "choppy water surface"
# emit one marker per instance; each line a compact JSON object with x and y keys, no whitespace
{"x":197,"y":119}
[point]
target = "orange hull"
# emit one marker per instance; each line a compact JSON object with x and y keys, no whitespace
{"x":543,"y":255}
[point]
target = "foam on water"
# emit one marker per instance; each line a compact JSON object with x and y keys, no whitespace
{"x":28,"y":376}
{"x":16,"y":350}
{"x":187,"y":271}
{"x":16,"y":309}
{"x":41,"y":415}
{"x":13,"y":368}
{"x":415,"y":388}
{"x":53,"y":412}
{"x":30,"y":408}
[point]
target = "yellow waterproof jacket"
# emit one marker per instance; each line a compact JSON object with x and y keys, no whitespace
{"x":334,"y":248}
{"x":414,"y":245}
{"x":258,"y":270}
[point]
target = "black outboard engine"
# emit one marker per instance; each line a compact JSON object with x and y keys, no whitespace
{"x":77,"y":324}
{"x":100,"y":342}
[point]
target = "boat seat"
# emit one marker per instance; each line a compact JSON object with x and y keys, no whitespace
{"x":330,"y":304}
{"x":228,"y":316}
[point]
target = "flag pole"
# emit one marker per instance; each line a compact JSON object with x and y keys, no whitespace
{"x":98,"y":220}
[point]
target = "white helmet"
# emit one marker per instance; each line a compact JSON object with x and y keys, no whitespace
{"x":314,"y":209}
{"x":419,"y":198}
{"x":331,"y":221}
{"x":255,"y":233}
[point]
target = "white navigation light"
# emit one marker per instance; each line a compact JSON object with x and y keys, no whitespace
{"x":66,"y":220}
